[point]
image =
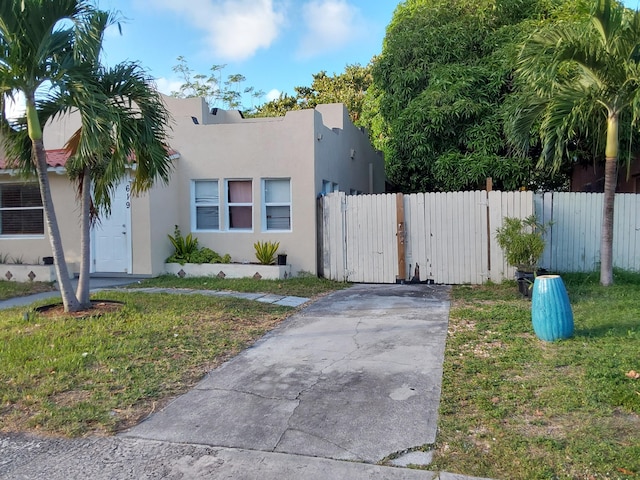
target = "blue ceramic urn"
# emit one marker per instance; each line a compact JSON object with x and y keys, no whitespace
{"x":550,"y":309}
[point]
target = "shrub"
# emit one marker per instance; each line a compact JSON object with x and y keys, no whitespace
{"x":187,"y":251}
{"x":266,"y":252}
{"x":522,"y":242}
{"x":184,"y":247}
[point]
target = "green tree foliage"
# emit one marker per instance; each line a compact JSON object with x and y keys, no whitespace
{"x":582,"y":78}
{"x":441,"y":84}
{"x":348,"y":87}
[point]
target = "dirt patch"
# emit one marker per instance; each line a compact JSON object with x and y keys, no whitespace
{"x":98,"y":309}
{"x":71,"y":397}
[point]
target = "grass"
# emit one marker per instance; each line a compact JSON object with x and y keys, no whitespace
{"x":74,"y":377}
{"x":513,"y":406}
{"x":19,"y":289}
{"x":302,"y":286}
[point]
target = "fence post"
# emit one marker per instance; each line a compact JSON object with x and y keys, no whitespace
{"x":400,"y":238}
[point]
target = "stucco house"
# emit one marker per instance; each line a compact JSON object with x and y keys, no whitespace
{"x":234,"y":181}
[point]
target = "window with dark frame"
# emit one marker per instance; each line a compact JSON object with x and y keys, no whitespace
{"x":21,"y":211}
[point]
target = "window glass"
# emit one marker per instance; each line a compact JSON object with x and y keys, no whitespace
{"x":21,"y":211}
{"x":240,"y":204}
{"x":277,"y":204}
{"x":207,"y":205}
{"x":278,"y":190}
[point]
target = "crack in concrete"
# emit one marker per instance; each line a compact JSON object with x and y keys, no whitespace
{"x":234,"y":390}
{"x":318,"y":380}
{"x":340,"y":447}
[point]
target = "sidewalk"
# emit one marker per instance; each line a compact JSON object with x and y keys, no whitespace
{"x":341,"y":385}
{"x":105,"y":284}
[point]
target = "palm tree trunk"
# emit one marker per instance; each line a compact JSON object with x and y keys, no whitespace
{"x":82,"y":292}
{"x":69,"y":299}
{"x":40,"y":159}
{"x":610,"y":180}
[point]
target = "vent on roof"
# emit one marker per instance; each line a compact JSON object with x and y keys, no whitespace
{"x":195,"y":120}
{"x":214,"y":111}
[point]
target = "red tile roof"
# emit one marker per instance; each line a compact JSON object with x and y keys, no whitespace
{"x":59,"y":157}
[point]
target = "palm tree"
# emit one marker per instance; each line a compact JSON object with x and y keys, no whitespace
{"x":132,"y":128}
{"x":49,"y":51}
{"x":583,"y":79}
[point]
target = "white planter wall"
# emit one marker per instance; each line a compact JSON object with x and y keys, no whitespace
{"x":230,"y":270}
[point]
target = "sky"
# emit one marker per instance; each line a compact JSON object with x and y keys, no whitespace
{"x":276,"y":44}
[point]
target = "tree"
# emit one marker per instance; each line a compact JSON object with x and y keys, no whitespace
{"x":442,"y":81}
{"x":49,"y":51}
{"x":229,"y":93}
{"x":583,"y":78}
{"x":349,"y":87}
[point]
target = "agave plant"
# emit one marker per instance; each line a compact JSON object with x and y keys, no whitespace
{"x":266,"y":252}
{"x":184,"y":247}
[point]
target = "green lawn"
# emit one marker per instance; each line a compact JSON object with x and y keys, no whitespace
{"x":302,"y":286}
{"x":19,"y":289}
{"x":72,"y":376}
{"x":514,"y":407}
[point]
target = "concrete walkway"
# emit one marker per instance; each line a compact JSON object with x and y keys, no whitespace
{"x":106,"y":284}
{"x":343,"y":384}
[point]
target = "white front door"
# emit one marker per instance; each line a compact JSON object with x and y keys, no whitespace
{"x":111,"y":245}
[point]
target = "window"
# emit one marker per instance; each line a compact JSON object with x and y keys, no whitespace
{"x":21,"y":211}
{"x":239,"y":204}
{"x":328,"y":187}
{"x":277,"y":204}
{"x":206,"y":205}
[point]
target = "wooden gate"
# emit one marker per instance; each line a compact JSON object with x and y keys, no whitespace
{"x":439,"y":237}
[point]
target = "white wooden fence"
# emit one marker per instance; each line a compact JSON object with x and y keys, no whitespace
{"x":573,"y":242}
{"x":450,"y":237}
{"x":445,"y":237}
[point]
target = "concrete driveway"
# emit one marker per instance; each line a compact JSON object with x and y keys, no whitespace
{"x":356,"y":376}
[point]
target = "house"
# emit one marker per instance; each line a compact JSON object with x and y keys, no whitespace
{"x":590,"y":178}
{"x":235,"y":181}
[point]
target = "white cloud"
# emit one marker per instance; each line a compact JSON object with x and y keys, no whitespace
{"x":233,"y":29}
{"x":330,"y":24}
{"x":273,"y":95}
{"x":168,"y":86}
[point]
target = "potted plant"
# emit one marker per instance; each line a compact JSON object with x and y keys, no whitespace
{"x":522,"y":242}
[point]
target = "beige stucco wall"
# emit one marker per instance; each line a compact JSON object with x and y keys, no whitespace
{"x":153,"y":245}
{"x":344,"y":153}
{"x":280,"y":148}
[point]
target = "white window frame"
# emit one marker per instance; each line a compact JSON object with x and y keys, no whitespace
{"x":229,"y":205}
{"x":21,"y":208}
{"x":195,"y":205}
{"x":266,"y":204}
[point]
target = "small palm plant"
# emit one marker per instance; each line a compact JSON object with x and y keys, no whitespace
{"x":184,"y":247}
{"x":266,"y":252}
